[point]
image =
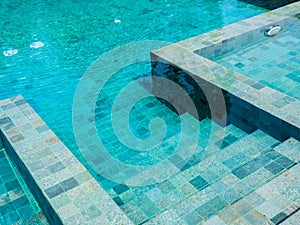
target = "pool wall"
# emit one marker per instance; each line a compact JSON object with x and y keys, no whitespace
{"x":44,"y":204}
{"x":250,"y":104}
{"x":64,"y":189}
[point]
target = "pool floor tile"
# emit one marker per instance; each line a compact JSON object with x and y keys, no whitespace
{"x":279,"y":218}
{"x":119,"y":189}
{"x":199,"y":183}
{"x":274,"y":168}
{"x":193,"y":218}
{"x":284,"y":162}
{"x":241,"y":172}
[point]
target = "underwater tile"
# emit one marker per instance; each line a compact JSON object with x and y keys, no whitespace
{"x":279,"y":218}
{"x":193,"y":218}
{"x":19,"y":202}
{"x":254,"y":217}
{"x":118,"y":201}
{"x":241,"y":172}
{"x":284,"y":162}
{"x":241,"y":207}
{"x":274,"y":168}
{"x":205,"y":211}
{"x":199,"y":183}
{"x":119,"y":189}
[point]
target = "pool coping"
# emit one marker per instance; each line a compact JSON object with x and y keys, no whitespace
{"x":66,"y":192}
{"x":183,"y":55}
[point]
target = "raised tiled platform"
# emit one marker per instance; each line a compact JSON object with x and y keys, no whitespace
{"x":250,"y":105}
{"x":65,"y":190}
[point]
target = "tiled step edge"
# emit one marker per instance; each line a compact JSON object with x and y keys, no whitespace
{"x":65,"y":190}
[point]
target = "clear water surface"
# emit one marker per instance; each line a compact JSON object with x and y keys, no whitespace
{"x":76,"y":33}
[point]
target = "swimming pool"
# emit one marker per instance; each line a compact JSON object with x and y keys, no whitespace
{"x":71,"y":45}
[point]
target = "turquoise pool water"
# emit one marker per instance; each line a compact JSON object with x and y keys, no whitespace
{"x":17,"y":205}
{"x":76,"y":33}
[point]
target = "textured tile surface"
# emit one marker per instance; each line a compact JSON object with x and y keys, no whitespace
{"x":57,"y":172}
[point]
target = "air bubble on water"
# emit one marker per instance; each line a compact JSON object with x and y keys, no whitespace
{"x":37,"y":44}
{"x":117,"y":21}
{"x":10,"y":52}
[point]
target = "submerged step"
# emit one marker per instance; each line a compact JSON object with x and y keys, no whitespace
{"x":276,"y":202}
{"x":227,"y":195}
{"x":228,"y":164}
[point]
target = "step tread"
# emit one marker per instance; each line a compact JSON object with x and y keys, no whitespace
{"x":290,"y":148}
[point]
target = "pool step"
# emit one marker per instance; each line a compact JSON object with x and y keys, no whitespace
{"x":227,"y":165}
{"x":275,"y":202}
{"x":226,"y":176}
{"x":290,"y":148}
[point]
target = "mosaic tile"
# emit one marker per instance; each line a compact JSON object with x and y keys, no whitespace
{"x":284,"y":162}
{"x":241,"y":207}
{"x":193,"y":218}
{"x":205,"y":211}
{"x":230,"y":196}
{"x":241,"y":172}
{"x":119,"y":189}
{"x":227,"y":215}
{"x":56,"y":167}
{"x":5,"y":120}
{"x":69,"y":184}
{"x":54,"y":191}
{"x":274,"y":168}
{"x":254,"y":217}
{"x":91,"y":213}
{"x":254,"y":199}
{"x":199,"y":183}
{"x":278,"y":218}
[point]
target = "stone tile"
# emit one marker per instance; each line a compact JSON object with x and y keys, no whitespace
{"x":193,"y":218}
{"x":5,"y":120}
{"x":56,"y":167}
{"x":91,"y":213}
{"x":69,"y":210}
{"x":227,"y":215}
{"x":254,"y":199}
{"x":69,"y":184}
{"x":17,"y":138}
{"x":254,"y":217}
{"x":214,"y":221}
{"x":199,"y":183}
{"x":241,"y":207}
{"x":279,"y":218}
{"x":274,"y":168}
{"x":54,"y":191}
